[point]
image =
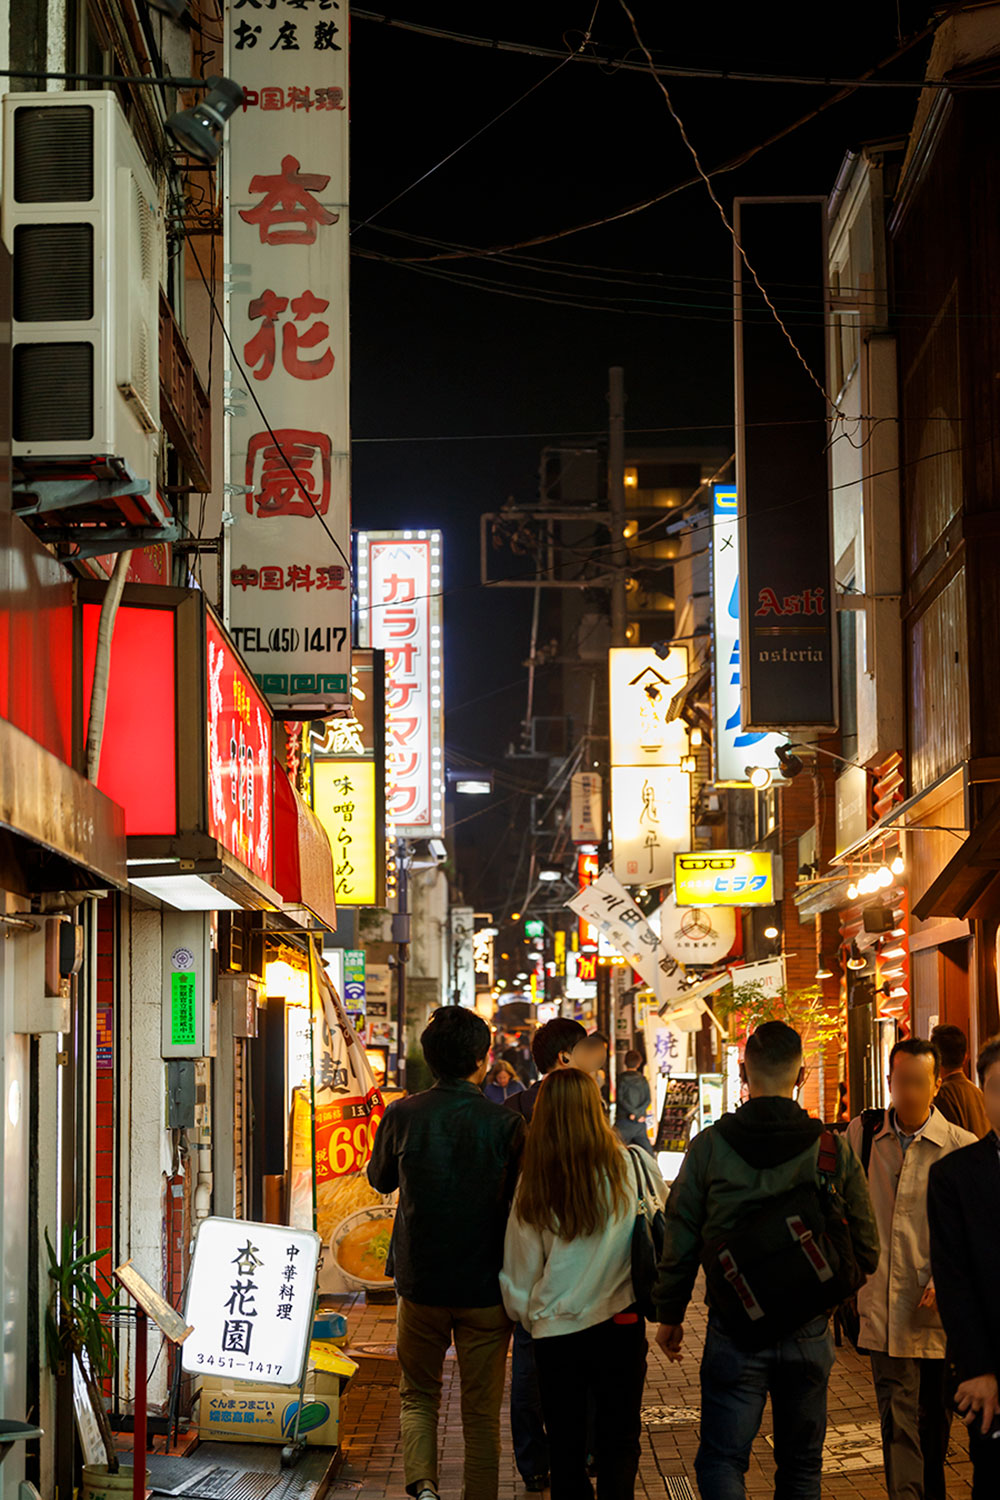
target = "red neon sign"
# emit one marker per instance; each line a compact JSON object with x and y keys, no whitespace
{"x":240,"y":788}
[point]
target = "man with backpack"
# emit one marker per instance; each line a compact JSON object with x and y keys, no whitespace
{"x":900,"y":1327}
{"x":776,"y":1209}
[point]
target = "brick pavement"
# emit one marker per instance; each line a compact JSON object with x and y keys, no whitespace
{"x":372,"y":1460}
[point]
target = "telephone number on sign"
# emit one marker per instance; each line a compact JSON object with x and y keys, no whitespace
{"x":347,"y":1150}
{"x":330,"y":638}
{"x":226,"y":1362}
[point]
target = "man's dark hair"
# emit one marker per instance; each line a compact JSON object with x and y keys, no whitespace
{"x":633,"y":1059}
{"x":455,"y":1041}
{"x":953,"y":1045}
{"x":560,"y":1035}
{"x":916,"y":1046}
{"x":774,"y":1049}
{"x":989,"y":1055}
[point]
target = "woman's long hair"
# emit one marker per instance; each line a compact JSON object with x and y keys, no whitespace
{"x":574,"y":1173}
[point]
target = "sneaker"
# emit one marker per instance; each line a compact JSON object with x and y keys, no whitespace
{"x":427,"y":1493}
{"x":536,"y":1484}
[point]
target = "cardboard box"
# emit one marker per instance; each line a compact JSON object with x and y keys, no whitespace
{"x":238,"y":1412}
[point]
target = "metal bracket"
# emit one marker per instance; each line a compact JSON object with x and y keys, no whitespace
{"x":91,"y":541}
{"x":66,"y":494}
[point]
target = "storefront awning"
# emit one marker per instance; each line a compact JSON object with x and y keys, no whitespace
{"x":59,"y":831}
{"x":303,"y":859}
{"x":969,"y":884}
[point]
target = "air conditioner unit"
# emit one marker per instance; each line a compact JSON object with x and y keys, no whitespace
{"x":82,"y":223}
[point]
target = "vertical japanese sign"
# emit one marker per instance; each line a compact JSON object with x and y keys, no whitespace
{"x":782,"y":455}
{"x":250,"y":1302}
{"x":349,"y":786}
{"x":399,"y":611}
{"x":650,"y":793}
{"x":240,"y":769}
{"x":735,"y":747}
{"x":288,"y":595}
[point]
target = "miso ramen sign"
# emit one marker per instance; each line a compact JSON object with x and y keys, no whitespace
{"x":250,"y":1301}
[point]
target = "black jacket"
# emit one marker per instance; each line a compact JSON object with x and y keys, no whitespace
{"x":963,"y":1206}
{"x":455,"y":1158}
{"x":523,"y":1104}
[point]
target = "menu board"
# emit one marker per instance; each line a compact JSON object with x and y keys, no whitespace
{"x":680,"y":1105}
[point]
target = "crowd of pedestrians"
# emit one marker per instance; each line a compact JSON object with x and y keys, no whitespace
{"x":523,"y":1211}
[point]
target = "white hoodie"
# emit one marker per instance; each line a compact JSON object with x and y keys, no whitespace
{"x":554,"y":1286}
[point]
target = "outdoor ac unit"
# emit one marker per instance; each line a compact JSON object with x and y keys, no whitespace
{"x":82,"y":222}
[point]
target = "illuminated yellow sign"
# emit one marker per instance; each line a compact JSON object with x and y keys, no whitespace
{"x":724,"y":877}
{"x":344,"y":800}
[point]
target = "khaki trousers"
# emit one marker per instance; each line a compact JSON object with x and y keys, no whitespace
{"x":480,"y":1336}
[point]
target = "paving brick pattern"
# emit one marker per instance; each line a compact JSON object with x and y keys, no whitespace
{"x":372,"y":1457}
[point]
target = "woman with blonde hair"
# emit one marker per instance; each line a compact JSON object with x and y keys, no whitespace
{"x":567,"y":1279}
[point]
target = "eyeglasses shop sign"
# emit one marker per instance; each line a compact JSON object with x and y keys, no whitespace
{"x":725,"y":877}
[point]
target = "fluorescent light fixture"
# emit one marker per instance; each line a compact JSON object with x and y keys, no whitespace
{"x":186,"y":893}
{"x":550,"y":876}
{"x":473,"y":786}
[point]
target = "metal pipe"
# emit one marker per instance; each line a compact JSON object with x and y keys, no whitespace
{"x":102,"y":663}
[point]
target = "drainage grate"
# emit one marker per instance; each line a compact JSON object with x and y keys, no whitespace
{"x":677,"y":1487}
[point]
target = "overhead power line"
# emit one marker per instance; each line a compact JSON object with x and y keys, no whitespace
{"x":618,"y":63}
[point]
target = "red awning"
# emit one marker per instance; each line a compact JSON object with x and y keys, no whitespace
{"x":303,"y":859}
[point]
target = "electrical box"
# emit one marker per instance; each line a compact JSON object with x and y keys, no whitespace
{"x":243,"y":994}
{"x":188,"y":993}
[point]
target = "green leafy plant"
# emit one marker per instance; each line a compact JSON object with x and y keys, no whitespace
{"x":76,"y":1326}
{"x":746,"y":1006}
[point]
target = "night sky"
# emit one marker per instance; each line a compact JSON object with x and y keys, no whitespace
{"x":436,"y":359}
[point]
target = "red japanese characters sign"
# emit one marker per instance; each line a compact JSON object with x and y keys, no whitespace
{"x":240,"y":789}
{"x":288,"y":576}
{"x":399,"y":611}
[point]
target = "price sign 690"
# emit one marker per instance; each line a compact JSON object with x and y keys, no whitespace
{"x":346,"y":1146}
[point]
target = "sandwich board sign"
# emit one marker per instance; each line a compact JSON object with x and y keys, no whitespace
{"x":251,"y":1301}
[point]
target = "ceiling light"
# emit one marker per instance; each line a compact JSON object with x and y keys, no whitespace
{"x":856,"y":959}
{"x":771,"y":932}
{"x":515,"y":916}
{"x":897,"y":867}
{"x":758,"y":776}
{"x":199,"y":129}
{"x":824,"y":973}
{"x":689,"y":764}
{"x":883,"y":877}
{"x":852,"y":892}
{"x":697,"y":737}
{"x":185,"y":893}
{"x":550,"y":874}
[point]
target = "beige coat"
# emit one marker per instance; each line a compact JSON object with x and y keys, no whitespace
{"x":891,"y":1321}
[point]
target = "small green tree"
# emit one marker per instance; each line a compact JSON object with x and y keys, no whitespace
{"x":76,"y":1327}
{"x":746,"y":1006}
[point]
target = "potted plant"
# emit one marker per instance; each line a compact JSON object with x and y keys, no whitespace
{"x":76,"y":1329}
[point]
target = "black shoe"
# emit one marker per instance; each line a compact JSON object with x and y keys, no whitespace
{"x":536,"y":1484}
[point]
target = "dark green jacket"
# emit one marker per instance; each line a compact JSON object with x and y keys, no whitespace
{"x":765,"y":1148}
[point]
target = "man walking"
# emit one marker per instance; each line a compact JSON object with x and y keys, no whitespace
{"x":454,"y":1157}
{"x":734,"y":1172}
{"x":632,"y":1104}
{"x":560,"y":1043}
{"x":900,"y":1326}
{"x":958,"y":1099}
{"x":963,"y":1205}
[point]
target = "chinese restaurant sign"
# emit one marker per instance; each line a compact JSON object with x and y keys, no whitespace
{"x":650,"y":793}
{"x":724,"y":877}
{"x":782,"y":458}
{"x":240,"y":787}
{"x":250,"y":1301}
{"x":287,"y":228}
{"x":652,"y":821}
{"x":735,"y":748}
{"x":399,"y":610}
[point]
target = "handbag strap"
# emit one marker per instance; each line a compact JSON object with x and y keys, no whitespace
{"x":640,"y":1211}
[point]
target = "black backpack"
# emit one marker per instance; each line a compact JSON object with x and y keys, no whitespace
{"x":788,"y":1260}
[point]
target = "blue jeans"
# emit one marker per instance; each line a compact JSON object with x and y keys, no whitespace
{"x":734,"y":1389}
{"x":527,"y":1425}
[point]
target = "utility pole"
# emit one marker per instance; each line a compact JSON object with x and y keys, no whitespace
{"x":616,"y":500}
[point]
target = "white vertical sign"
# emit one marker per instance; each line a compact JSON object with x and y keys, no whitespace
{"x":399,"y":612}
{"x":734,"y":749}
{"x":288,"y":594}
